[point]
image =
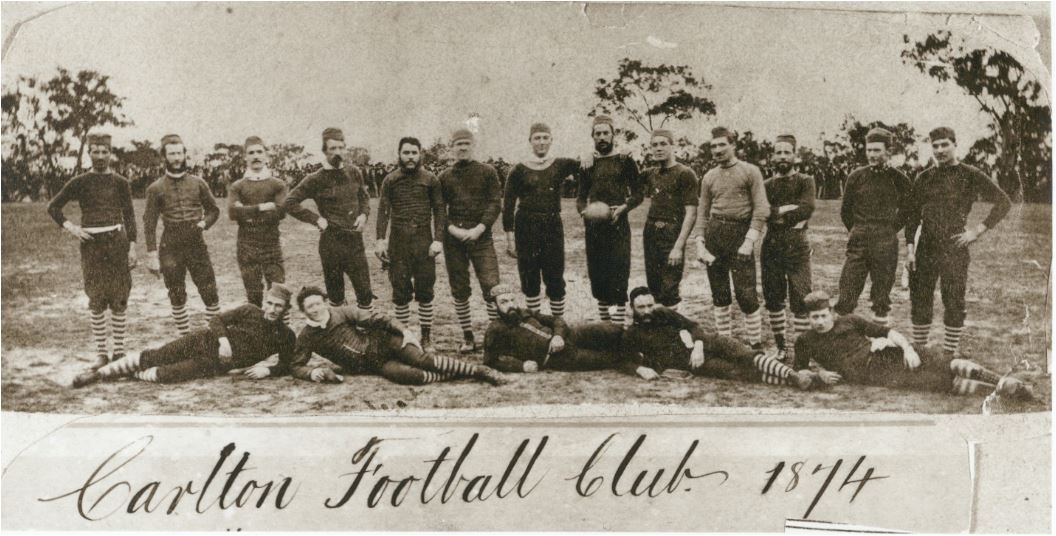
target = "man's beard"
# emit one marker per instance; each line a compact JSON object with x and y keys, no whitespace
{"x":100,"y":168}
{"x":783,"y":167}
{"x":335,"y":160}
{"x":176,"y":168}
{"x":415,"y":165}
{"x":643,"y":318}
{"x":603,"y":147}
{"x":510,"y":314}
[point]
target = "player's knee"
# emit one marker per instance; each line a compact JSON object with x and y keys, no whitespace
{"x":177,"y":297}
{"x":209,"y":294}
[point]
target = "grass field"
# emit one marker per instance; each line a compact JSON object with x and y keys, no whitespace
{"x":46,"y":339}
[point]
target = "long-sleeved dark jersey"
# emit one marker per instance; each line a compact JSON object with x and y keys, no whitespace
{"x":408,"y":200}
{"x":876,"y":196}
{"x":105,"y":199}
{"x":613,"y":180}
{"x":472,"y":194}
{"x":253,"y":337}
{"x":339,"y":194}
{"x":177,"y":200}
{"x":253,"y":193}
{"x":658,"y":344}
{"x":793,"y":189}
{"x":350,"y":339}
{"x":536,"y":191}
{"x":943,"y":197}
{"x":523,"y":335}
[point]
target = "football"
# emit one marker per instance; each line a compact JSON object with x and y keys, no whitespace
{"x":597,"y":211}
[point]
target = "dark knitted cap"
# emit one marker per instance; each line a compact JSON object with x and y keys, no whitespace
{"x":879,"y":135}
{"x":786,"y":138}
{"x":169,"y":138}
{"x":253,"y":140}
{"x":721,"y":132}
{"x":538,"y":127}
{"x":665,"y":133}
{"x":281,"y":292}
{"x":333,"y":134}
{"x":499,"y":290}
{"x":98,"y":139}
{"x":461,"y":134}
{"x":943,"y":133}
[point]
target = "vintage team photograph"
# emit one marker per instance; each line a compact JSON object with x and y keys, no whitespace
{"x":246,"y":209}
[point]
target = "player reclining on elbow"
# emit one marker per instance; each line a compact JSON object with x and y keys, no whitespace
{"x":241,"y":337}
{"x":521,"y":340}
{"x":660,"y":339}
{"x":361,"y":342}
{"x":854,"y":350}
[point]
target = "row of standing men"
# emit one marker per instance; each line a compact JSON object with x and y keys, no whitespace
{"x":421,"y":216}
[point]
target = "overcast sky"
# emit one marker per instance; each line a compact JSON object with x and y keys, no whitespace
{"x":219,"y":72}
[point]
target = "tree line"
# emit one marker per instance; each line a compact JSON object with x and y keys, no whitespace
{"x":46,"y":121}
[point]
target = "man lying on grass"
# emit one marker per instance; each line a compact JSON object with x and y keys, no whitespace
{"x":241,"y":337}
{"x":368,"y":343}
{"x":523,"y":340}
{"x":661,"y":339}
{"x":854,"y":350}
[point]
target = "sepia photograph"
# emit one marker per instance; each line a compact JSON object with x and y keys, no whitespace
{"x":228,"y":216}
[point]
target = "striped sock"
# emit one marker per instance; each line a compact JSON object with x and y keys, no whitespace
{"x":777,"y":325}
{"x":429,"y":376}
{"x":450,"y":365}
{"x":183,"y":320}
{"x":603,"y":312}
{"x":557,"y":307}
{"x":723,"y":322}
{"x":753,"y":324}
{"x":493,"y":312}
{"x":403,"y":314}
{"x":118,"y":326}
{"x":534,"y":303}
{"x":964,"y":386}
{"x":774,"y":371}
{"x":973,"y":371}
{"x":920,"y":335}
{"x":425,"y":317}
{"x":120,"y":367}
{"x":149,"y":375}
{"x":619,"y":315}
{"x":801,"y":323}
{"x":99,"y":335}
{"x":211,"y":311}
{"x":951,"y":340}
{"x":465,"y":319}
{"x":884,"y":321}
{"x":368,"y":308}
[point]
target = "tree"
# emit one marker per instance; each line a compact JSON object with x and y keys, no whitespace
{"x":650,"y":96}
{"x":435,"y":154}
{"x":286,"y":156}
{"x":28,"y":118}
{"x":142,"y":155}
{"x":853,"y":133}
{"x":83,"y":102}
{"x":1011,"y":96}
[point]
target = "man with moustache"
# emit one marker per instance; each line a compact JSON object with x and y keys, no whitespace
{"x":786,"y":248}
{"x":473,"y":198}
{"x":106,"y":233}
{"x":672,"y":213}
{"x":255,"y":202}
{"x":535,"y":236}
{"x":875,"y":206}
{"x":341,"y":197}
{"x":186,"y":205}
{"x":612,"y":178}
{"x":523,"y":340}
{"x":936,"y":240}
{"x":234,"y":339}
{"x":733,"y":214}
{"x":365,"y":343}
{"x":412,"y":199}
{"x":660,"y":339}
